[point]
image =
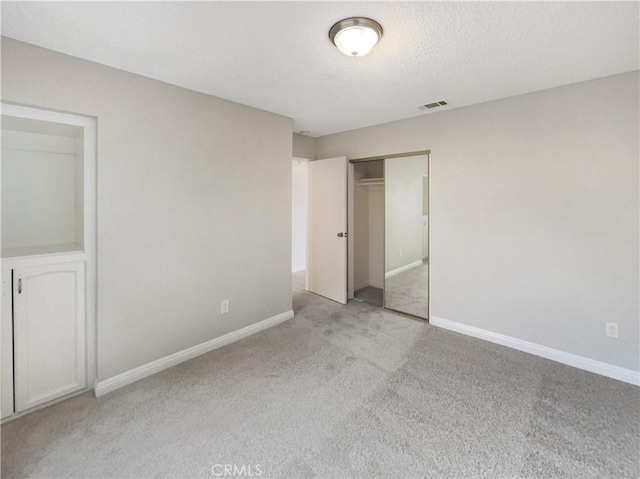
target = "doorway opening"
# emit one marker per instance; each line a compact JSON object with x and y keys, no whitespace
{"x":299,"y":221}
{"x":369,"y":241}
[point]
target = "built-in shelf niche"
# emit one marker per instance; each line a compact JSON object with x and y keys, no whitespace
{"x":42,"y":187}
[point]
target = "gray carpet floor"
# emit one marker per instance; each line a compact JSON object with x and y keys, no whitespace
{"x":370,"y":295}
{"x":342,"y":391}
{"x":408,"y":291}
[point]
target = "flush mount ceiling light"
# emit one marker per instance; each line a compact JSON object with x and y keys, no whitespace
{"x":355,"y":36}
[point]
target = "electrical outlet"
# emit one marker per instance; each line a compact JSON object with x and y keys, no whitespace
{"x":224,"y":306}
{"x":612,"y":330}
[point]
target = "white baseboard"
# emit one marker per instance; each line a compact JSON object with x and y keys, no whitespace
{"x":133,"y":375}
{"x":580,"y":362}
{"x":296,"y":269}
{"x":359,"y":286}
{"x":402,"y":269}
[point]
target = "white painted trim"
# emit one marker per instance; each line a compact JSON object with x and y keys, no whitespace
{"x":351,"y":288}
{"x":359,"y":286}
{"x":297,"y":269}
{"x":133,"y":375}
{"x":402,"y":269}
{"x":580,"y":362}
{"x":17,"y":415}
{"x":306,"y":236}
{"x":37,"y":113}
{"x":429,"y":267}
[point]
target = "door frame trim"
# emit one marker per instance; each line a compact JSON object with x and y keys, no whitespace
{"x":394,"y":155}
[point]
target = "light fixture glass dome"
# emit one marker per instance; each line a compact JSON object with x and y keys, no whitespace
{"x":355,"y":36}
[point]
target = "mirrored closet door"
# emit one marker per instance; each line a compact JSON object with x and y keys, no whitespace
{"x":406,"y":263}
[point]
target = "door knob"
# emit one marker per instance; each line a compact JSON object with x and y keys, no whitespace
{"x":342,"y":235}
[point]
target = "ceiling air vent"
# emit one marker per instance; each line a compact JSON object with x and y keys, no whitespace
{"x":435,"y":104}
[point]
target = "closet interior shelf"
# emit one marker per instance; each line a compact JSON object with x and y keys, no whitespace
{"x":371,"y":181}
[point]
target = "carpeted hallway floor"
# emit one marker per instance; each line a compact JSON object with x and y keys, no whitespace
{"x":342,"y":391}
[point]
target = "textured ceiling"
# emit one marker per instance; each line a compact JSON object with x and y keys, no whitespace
{"x":277,"y":56}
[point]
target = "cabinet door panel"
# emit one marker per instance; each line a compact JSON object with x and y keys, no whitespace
{"x":49,"y":328}
{"x":6,"y":347}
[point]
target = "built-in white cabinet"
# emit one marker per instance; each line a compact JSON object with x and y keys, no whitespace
{"x":48,"y":256}
{"x":49,"y":332}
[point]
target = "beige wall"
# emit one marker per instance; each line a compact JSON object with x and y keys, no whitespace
{"x":304,"y":147}
{"x":299,"y":213}
{"x":194,"y":204}
{"x":534,"y":213}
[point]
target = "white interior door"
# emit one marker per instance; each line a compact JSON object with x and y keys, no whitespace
{"x":49,"y":332}
{"x":327,"y":233}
